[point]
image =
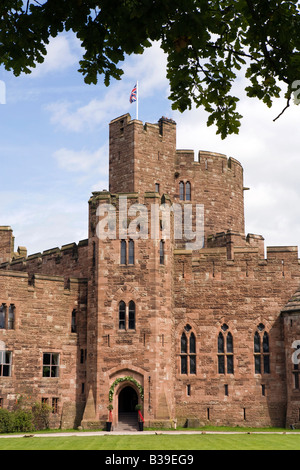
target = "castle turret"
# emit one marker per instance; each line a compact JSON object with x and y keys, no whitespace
{"x":144,"y":158}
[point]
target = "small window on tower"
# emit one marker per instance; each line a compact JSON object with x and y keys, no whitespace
{"x":11,"y":317}
{"x":123,"y":252}
{"x":188,"y":191}
{"x":181,"y":191}
{"x":2,"y":316}
{"x":157,"y":187}
{"x":122,"y":315}
{"x":162,"y":252}
{"x":131,"y":316}
{"x":74,"y":322}
{"x":130,"y":252}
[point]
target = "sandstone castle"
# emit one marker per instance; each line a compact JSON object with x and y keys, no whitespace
{"x":195,"y":336}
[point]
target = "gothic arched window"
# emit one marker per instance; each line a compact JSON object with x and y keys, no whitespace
{"x":2,"y":316}
{"x":131,"y":315}
{"x":127,"y":316}
{"x":188,"y":191}
{"x":123,"y":252}
{"x":122,"y":315}
{"x":181,"y":191}
{"x":225,"y":351}
{"x":261,"y":351}
{"x":188,"y":351}
{"x":131,"y":252}
{"x":123,"y":257}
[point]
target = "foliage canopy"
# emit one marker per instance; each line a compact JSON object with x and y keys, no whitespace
{"x":207,"y":42}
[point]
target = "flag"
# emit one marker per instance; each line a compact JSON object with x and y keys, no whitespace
{"x":133,"y":95}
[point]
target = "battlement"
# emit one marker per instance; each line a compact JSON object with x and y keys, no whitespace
{"x":38,"y":281}
{"x":7,"y":243}
{"x":69,"y":260}
{"x":159,"y":128}
{"x":246,"y":262}
{"x":143,"y":158}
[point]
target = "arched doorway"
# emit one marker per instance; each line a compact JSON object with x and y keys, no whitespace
{"x":127,"y":401}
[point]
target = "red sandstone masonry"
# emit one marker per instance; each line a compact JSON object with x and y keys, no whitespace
{"x":142,"y":156}
{"x":229,"y":281}
{"x":69,"y":261}
{"x":6,"y":244}
{"x":143,"y":353}
{"x":241,"y":295}
{"x":43,"y":324}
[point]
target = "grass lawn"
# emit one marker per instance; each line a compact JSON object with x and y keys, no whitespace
{"x":157,"y":442}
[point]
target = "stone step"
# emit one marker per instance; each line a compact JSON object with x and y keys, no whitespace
{"x":127,"y":422}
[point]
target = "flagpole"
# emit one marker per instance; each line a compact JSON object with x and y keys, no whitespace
{"x":137,"y":100}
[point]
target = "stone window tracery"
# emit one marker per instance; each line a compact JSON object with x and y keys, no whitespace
{"x":225,"y":351}
{"x":261,"y":351}
{"x":127,"y":249}
{"x":127,"y":316}
{"x":185,"y":191}
{"x":188,"y":351}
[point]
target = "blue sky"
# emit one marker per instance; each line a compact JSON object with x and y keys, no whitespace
{"x":54,"y":147}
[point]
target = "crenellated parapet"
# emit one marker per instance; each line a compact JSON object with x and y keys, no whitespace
{"x":244,"y":261}
{"x":144,"y":158}
{"x":70,"y":260}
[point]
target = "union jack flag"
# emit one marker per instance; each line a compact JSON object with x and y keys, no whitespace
{"x":133,"y":95}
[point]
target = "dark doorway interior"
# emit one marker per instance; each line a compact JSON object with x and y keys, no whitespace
{"x":128,"y":400}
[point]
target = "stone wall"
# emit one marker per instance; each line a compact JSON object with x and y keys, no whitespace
{"x":227,"y":286}
{"x":42,"y":324}
{"x":68,"y":261}
{"x":242,"y":293}
{"x":144,"y":156}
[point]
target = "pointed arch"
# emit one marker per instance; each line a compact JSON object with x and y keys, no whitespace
{"x":225,"y":351}
{"x":122,"y":315}
{"x":131,"y":315}
{"x":181,"y":191}
{"x":188,"y":351}
{"x":261,"y":350}
{"x":188,"y":195}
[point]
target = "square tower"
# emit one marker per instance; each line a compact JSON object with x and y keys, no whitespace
{"x":142,"y":157}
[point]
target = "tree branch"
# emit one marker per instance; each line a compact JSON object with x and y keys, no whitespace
{"x":284,"y":109}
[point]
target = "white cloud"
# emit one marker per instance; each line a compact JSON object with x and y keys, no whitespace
{"x":269,"y":153}
{"x":44,"y":220}
{"x":62,"y":52}
{"x":81,"y":160}
{"x":87,"y":117}
{"x":149,"y":69}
